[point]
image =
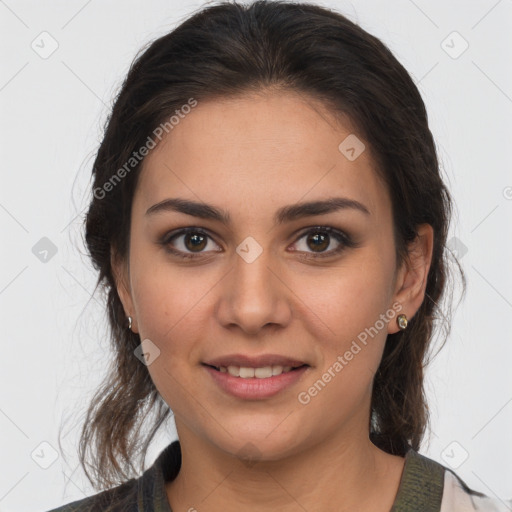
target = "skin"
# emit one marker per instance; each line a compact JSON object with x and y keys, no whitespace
{"x":251,"y":155}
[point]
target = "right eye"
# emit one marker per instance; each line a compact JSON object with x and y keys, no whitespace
{"x":191,"y":242}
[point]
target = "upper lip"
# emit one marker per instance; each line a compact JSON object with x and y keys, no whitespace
{"x":254,"y":361}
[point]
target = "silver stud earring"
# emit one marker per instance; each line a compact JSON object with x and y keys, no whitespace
{"x":130,"y":323}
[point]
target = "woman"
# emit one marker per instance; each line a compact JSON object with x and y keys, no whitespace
{"x":269,"y":222}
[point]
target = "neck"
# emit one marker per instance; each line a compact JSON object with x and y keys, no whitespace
{"x":339,"y":474}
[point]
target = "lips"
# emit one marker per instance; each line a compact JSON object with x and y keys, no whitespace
{"x":256,"y":388}
{"x":254,"y":361}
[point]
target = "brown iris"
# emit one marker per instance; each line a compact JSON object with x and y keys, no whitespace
{"x":196,"y":240}
{"x":319,"y":237}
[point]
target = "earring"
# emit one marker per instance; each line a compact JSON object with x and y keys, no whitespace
{"x":130,"y":323}
{"x":401,"y":320}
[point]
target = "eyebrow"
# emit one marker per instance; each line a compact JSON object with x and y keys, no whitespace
{"x":284,"y":214}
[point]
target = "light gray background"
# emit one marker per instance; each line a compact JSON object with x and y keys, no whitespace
{"x":54,"y":348}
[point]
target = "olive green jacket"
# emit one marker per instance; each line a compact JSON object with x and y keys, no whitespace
{"x":425,"y":486}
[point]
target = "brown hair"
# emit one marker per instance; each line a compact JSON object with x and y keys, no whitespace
{"x":229,"y":49}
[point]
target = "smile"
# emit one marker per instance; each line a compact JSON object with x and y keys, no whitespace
{"x":255,"y":383}
{"x":263,"y":372}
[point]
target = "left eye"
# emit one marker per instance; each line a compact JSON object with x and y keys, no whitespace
{"x":320,"y":238}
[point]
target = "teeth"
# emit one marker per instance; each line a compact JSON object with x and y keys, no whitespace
{"x":260,"y":373}
{"x":277,"y":370}
{"x":234,"y":370}
{"x":246,"y":373}
{"x":263,"y":373}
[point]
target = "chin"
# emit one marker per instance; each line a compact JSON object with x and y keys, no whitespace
{"x":256,"y":446}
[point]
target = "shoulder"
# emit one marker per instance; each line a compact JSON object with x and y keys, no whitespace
{"x":146,"y":492}
{"x":458,"y":497}
{"x":429,"y":486}
{"x":122,"y":498}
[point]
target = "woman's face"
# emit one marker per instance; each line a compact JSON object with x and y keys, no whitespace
{"x":271,"y":280}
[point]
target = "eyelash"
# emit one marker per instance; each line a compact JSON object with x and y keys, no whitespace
{"x":345,"y":241}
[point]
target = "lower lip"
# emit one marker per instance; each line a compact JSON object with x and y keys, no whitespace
{"x":254,"y":388}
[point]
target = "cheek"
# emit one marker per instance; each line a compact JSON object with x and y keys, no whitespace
{"x":349,"y":297}
{"x":172,"y":303}
{"x":350,"y":302}
{"x":351,"y":352}
{"x":162,"y":309}
{"x":170,"y":313}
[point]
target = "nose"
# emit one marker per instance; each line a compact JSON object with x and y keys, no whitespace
{"x":254,"y":295}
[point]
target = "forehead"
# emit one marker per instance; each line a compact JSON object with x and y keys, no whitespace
{"x":251,"y":149}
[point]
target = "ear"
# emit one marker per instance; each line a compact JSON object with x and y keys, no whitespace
{"x":411,"y":280}
{"x":121,"y":273}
